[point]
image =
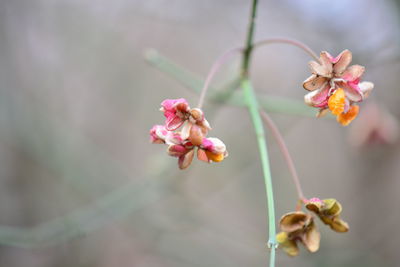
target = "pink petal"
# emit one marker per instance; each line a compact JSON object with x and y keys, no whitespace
{"x":353,"y":92}
{"x":174,"y":122}
{"x":207,"y":144}
{"x":157,"y":134}
{"x":341,"y":62}
{"x":317,"y":98}
{"x":217,"y":147}
{"x":353,"y":73}
{"x":314,"y":82}
{"x":173,"y":138}
{"x":176,"y":150}
{"x":169,"y":104}
{"x":315,"y":199}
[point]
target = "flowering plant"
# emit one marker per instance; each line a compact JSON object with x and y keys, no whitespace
{"x":333,"y":86}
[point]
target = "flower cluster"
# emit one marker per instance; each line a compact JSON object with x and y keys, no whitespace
{"x":328,"y":210}
{"x":299,"y":226}
{"x":182,"y":144}
{"x":336,"y":86}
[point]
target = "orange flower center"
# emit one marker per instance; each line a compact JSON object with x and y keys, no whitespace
{"x":215,"y":157}
{"x":345,"y":118}
{"x":336,"y":102}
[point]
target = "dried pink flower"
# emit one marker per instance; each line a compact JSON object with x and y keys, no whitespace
{"x":183,"y":144}
{"x":328,"y":76}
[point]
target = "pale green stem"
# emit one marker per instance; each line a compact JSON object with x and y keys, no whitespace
{"x":253,"y":107}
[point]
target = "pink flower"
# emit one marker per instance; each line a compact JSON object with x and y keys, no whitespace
{"x":175,"y":111}
{"x":331,"y":74}
{"x":183,"y":144}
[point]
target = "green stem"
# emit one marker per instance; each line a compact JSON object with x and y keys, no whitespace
{"x":249,"y":41}
{"x":253,"y":107}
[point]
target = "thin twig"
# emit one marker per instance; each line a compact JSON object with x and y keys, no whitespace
{"x":215,"y":67}
{"x":282,"y":146}
{"x":293,"y":42}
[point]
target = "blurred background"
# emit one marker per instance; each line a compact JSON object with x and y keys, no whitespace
{"x":80,"y":184}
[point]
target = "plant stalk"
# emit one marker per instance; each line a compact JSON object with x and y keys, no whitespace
{"x":249,"y":41}
{"x":253,"y":107}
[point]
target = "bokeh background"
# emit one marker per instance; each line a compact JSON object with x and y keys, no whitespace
{"x":80,"y":184}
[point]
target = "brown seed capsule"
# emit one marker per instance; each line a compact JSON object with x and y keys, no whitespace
{"x":197,"y":114}
{"x":196,"y":135}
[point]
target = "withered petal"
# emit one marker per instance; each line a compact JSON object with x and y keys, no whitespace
{"x":326,"y":61}
{"x":340,"y":226}
{"x":314,"y":82}
{"x":314,"y":206}
{"x":331,"y":207}
{"x":353,"y":73}
{"x":185,"y":132}
{"x":185,"y":160}
{"x":176,"y":150}
{"x":201,"y":155}
{"x":342,"y":62}
{"x":287,"y":245}
{"x":294,"y":221}
{"x":311,"y":238}
{"x":320,"y":70}
{"x":317,"y":98}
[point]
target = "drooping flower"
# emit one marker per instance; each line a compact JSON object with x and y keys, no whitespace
{"x":328,"y":210}
{"x":298,"y":227}
{"x":183,"y":144}
{"x":336,"y":86}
